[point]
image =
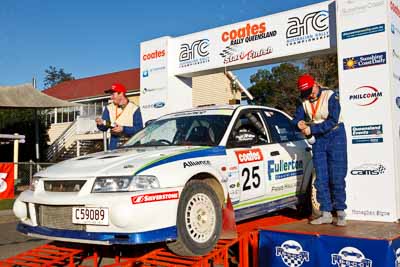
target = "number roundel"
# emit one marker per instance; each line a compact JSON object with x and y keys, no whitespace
{"x":251,"y":181}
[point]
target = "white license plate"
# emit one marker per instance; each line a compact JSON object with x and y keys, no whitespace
{"x":96,"y":216}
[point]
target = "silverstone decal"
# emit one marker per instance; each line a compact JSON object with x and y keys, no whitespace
{"x":368,"y":169}
{"x":140,"y":199}
{"x":194,"y":53}
{"x":367,"y":134}
{"x":365,"y":95}
{"x":363,"y":31}
{"x":284,"y":169}
{"x":292,"y":253}
{"x":364,"y":61}
{"x":234,"y":54}
{"x":248,"y":33}
{"x":248,"y":156}
{"x":190,"y":163}
{"x":154,"y":55}
{"x":350,"y":256}
{"x":309,"y":28}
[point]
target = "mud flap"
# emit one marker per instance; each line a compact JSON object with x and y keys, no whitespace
{"x":228,"y":221}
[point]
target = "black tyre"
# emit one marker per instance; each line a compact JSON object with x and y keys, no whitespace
{"x":199,"y":220}
{"x":310,"y":206}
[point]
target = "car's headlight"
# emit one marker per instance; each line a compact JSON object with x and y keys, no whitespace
{"x":34,"y":183}
{"x":125,"y":183}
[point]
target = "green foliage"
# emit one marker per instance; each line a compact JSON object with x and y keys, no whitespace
{"x":324,"y":69}
{"x":22,"y":121}
{"x":54,"y":76}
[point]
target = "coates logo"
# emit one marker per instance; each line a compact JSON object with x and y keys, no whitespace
{"x":369,"y":169}
{"x":248,"y":33}
{"x":247,"y":156}
{"x":313,"y":26}
{"x":154,"y":55}
{"x":194,"y":53}
{"x":232,"y":54}
{"x":395,"y":8}
{"x":292,"y":253}
{"x":365,"y":95}
{"x":154,"y":197}
{"x":350,"y":256}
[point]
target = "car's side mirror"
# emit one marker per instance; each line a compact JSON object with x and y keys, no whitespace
{"x":148,"y":123}
{"x":245,"y":139}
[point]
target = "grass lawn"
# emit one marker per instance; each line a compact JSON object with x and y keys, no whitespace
{"x":6,"y":204}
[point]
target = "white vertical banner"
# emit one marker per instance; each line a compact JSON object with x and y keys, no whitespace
{"x":366,"y":99}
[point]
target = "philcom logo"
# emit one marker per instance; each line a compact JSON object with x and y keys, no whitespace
{"x":350,"y":256}
{"x":365,"y":95}
{"x":292,"y":254}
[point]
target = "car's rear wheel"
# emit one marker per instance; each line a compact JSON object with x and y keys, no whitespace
{"x":310,"y":205}
{"x":198,"y":221}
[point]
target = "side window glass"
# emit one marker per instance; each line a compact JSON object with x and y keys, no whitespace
{"x":281,"y":127}
{"x":250,"y":122}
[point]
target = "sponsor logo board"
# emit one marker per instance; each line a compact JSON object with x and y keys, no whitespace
{"x":283,"y":169}
{"x":363,"y":31}
{"x":364,"y":61}
{"x":140,"y":199}
{"x":367,"y":134}
{"x":365,"y":95}
{"x":194,"y":53}
{"x":292,"y":253}
{"x":368,"y":169}
{"x":350,"y":256}
{"x":249,"y":155}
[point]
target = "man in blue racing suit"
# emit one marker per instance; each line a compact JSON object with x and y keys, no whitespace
{"x":319,"y":116}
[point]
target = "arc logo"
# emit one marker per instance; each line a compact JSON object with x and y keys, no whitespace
{"x":350,"y":256}
{"x":292,"y":253}
{"x":194,"y":53}
{"x":250,"y":155}
{"x":365,"y":95}
{"x":140,"y":199}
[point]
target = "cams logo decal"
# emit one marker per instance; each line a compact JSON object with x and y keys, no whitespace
{"x":292,"y":254}
{"x":188,"y":164}
{"x":369,"y":169}
{"x":247,"y":156}
{"x":350,"y":256}
{"x":154,"y":197}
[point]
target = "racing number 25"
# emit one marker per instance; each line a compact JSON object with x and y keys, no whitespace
{"x":255,"y":178}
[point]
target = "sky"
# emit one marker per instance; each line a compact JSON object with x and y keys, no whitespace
{"x":93,"y":37}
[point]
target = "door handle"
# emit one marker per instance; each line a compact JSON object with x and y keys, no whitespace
{"x":274,"y":153}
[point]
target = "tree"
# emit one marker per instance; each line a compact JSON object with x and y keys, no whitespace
{"x":278,"y":87}
{"x":325,"y":69}
{"x":54,"y":76}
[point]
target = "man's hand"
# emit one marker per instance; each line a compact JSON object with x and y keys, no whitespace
{"x":99,"y":121}
{"x":302,"y":125}
{"x":117,"y":129}
{"x":306,"y":131}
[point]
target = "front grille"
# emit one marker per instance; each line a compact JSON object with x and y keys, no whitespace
{"x":64,"y":186}
{"x":57,"y":217}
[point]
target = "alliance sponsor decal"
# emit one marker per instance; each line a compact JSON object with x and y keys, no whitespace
{"x":284,"y":169}
{"x":350,"y":256}
{"x":154,"y":55}
{"x":367,"y":134}
{"x":249,"y":155}
{"x":154,"y":105}
{"x":368,"y":169}
{"x":146,"y":198}
{"x":395,"y":8}
{"x":233,"y":54}
{"x":365,"y":96}
{"x":194,"y":53}
{"x":364,"y":61}
{"x":312,"y":27}
{"x":359,"y":7}
{"x":363,"y":31}
{"x":292,"y":253}
{"x":248,"y":33}
{"x":148,"y":72}
{"x":195,"y":163}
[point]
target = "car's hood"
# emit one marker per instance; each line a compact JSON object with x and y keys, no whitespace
{"x":116,"y":162}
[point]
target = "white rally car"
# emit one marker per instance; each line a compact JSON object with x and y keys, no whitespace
{"x":172,"y":181}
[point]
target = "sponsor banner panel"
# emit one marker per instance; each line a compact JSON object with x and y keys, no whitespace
{"x":6,"y":180}
{"x":296,"y":250}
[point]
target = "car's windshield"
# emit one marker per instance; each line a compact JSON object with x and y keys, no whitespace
{"x":203,"y":130}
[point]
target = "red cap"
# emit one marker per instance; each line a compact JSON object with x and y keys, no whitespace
{"x":116,"y":87}
{"x":305,"y":84}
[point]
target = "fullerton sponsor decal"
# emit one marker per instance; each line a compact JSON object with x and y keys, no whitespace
{"x":365,"y":95}
{"x":194,"y":53}
{"x":250,"y":155}
{"x":231,"y":54}
{"x":364,"y":61}
{"x":367,"y":134}
{"x":363,"y":31}
{"x":155,"y":54}
{"x":190,"y":163}
{"x":284,"y":169}
{"x":312,"y":27}
{"x":395,"y":8}
{"x":248,"y":33}
{"x":350,"y":256}
{"x":368,"y":169}
{"x":140,"y":199}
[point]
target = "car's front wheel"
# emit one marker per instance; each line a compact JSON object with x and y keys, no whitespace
{"x":198,"y":221}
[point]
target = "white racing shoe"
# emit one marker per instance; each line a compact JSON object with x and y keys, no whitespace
{"x":326,"y":218}
{"x":341,"y":218}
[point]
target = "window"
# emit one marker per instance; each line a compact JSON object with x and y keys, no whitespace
{"x":281,"y":127}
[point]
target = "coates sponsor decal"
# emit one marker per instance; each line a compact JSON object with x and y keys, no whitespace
{"x":353,"y":7}
{"x":312,"y":27}
{"x":154,"y":197}
{"x":233,"y":54}
{"x":248,"y":33}
{"x":250,"y":155}
{"x":194,"y":53}
{"x":363,"y":31}
{"x":154,"y":105}
{"x":153,"y":55}
{"x":395,"y":8}
{"x":365,"y":95}
{"x":292,"y":253}
{"x":350,"y":256}
{"x":365,"y":134}
{"x":364,"y":61}
{"x":368,"y":169}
